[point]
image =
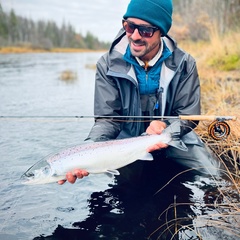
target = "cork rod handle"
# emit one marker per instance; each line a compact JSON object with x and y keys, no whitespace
{"x":206,"y":117}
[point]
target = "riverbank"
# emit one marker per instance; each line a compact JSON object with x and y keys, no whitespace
{"x":24,"y":49}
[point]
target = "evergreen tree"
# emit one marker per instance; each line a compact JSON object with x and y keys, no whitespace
{"x":15,"y":30}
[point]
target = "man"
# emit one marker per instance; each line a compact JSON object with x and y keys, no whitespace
{"x":145,"y":73}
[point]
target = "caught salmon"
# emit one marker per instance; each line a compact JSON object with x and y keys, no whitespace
{"x":100,"y":157}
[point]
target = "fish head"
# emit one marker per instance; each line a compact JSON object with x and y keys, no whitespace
{"x":39,"y":173}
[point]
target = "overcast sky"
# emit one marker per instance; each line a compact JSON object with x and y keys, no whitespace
{"x":100,"y":17}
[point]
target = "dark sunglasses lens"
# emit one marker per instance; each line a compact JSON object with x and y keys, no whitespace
{"x":146,"y":32}
{"x":129,"y":28}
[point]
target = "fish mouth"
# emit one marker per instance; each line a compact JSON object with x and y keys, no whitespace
{"x":36,"y":172}
{"x":27,"y":177}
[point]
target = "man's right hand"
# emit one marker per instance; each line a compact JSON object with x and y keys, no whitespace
{"x":73,"y":176}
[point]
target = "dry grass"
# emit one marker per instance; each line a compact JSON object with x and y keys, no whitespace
{"x":202,"y":226}
{"x":68,"y":76}
{"x":217,"y":58}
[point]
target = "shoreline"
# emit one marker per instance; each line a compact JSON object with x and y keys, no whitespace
{"x":19,"y":50}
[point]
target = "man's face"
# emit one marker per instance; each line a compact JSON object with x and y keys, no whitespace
{"x":143,"y":47}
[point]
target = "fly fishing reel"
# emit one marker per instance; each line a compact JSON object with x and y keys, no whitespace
{"x":218,"y":130}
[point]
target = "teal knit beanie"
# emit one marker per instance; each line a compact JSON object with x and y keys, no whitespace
{"x":156,"y":12}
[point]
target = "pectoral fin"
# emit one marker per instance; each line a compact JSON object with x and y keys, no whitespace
{"x":147,"y":157}
{"x":112,"y":172}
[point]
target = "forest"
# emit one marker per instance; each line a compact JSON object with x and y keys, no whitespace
{"x":193,"y":20}
{"x":21,"y":31}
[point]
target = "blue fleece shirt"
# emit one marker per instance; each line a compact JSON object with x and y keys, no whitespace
{"x":148,"y":80}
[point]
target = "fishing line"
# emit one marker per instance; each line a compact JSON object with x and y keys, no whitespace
{"x":134,"y":119}
{"x":181,"y":117}
{"x":218,"y":129}
{"x":81,"y":118}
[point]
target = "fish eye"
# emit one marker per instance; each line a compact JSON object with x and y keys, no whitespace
{"x":45,"y":170}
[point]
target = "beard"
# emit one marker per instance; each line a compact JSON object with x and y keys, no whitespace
{"x":143,"y":49}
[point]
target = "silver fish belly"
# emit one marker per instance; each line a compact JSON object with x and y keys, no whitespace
{"x":96,"y":157}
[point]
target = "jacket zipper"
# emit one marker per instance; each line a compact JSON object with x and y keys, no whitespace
{"x":146,"y":75}
{"x":158,"y":104}
{"x":146,"y":70}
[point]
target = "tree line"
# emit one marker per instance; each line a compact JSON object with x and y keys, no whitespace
{"x":193,"y":19}
{"x":21,"y":31}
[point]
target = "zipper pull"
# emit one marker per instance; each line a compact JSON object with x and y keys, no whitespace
{"x":156,"y":106}
{"x":146,"y":65}
{"x":146,"y":69}
{"x":159,"y":98}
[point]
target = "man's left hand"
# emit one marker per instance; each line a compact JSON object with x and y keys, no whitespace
{"x":156,"y":127}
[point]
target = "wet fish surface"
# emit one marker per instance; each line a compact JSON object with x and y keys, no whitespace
{"x":100,"y":157}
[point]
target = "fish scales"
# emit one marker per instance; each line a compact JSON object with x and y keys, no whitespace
{"x":99,"y":157}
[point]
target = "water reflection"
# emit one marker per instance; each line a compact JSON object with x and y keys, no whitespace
{"x":130,"y":209}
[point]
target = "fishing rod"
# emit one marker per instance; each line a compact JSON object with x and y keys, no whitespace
{"x":180,"y":117}
{"x":218,"y":129}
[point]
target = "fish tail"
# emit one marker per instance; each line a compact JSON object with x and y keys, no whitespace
{"x":174,"y":130}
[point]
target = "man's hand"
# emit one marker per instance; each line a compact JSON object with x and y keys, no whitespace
{"x":156,"y":127}
{"x":72,"y":176}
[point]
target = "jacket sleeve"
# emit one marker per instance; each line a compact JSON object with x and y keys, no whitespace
{"x":186,"y":100}
{"x":107,"y":102}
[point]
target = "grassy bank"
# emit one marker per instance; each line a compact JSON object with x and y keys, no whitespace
{"x":219,"y":56}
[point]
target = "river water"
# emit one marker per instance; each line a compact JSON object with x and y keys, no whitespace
{"x":92,"y":208}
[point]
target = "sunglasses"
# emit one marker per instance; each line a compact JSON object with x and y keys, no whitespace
{"x":144,"y":31}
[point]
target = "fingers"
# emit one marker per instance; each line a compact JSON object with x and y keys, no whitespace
{"x":156,"y":127}
{"x":80,"y":173}
{"x":61,"y":182}
{"x":71,"y":177}
{"x":157,"y":146}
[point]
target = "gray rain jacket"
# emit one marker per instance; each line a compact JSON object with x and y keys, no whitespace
{"x":117,"y":93}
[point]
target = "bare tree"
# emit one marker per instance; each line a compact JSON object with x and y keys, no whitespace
{"x":202,"y":16}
